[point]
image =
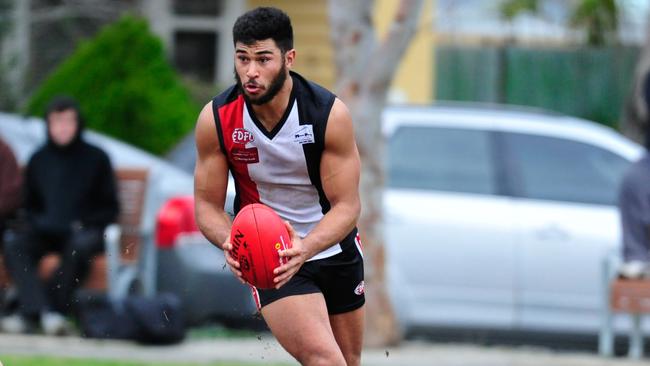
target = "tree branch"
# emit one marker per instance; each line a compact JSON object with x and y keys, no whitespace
{"x":353,"y":37}
{"x":392,"y":48}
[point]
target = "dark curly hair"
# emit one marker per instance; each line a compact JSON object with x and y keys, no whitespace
{"x":263,"y":23}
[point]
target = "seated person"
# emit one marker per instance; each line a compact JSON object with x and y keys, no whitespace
{"x":69,"y":198}
{"x":634,"y":206}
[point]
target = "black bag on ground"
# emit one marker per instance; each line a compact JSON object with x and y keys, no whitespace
{"x":100,"y":317}
{"x":159,"y":320}
{"x":152,"y":320}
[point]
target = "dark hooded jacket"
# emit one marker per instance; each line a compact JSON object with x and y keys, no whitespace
{"x":70,"y":185}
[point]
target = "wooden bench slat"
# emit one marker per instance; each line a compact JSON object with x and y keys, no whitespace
{"x":630,"y":295}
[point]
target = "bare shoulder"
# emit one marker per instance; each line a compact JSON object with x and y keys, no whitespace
{"x":339,"y":112}
{"x":206,"y":132}
{"x":339,"y":123}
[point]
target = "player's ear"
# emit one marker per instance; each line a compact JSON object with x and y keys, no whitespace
{"x":289,"y":57}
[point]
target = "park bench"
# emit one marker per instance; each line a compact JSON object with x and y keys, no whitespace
{"x":623,"y":296}
{"x":116,"y":270}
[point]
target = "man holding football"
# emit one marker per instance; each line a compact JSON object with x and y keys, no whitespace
{"x":288,"y":144}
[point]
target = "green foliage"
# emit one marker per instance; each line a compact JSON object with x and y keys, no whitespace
{"x":599,"y":18}
{"x":125,"y":86}
{"x":511,"y":8}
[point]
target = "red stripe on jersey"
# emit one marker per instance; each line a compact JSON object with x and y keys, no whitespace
{"x":231,"y":116}
{"x":357,"y":241}
{"x":256,"y":298}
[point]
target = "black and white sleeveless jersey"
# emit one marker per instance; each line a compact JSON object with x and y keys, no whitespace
{"x":280,"y":168}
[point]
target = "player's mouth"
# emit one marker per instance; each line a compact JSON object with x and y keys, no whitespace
{"x":253,"y":88}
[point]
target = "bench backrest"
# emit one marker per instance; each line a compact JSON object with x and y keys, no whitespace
{"x":132,"y":190}
{"x":630,"y":296}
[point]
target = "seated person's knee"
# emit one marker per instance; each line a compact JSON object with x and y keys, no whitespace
{"x":86,"y":243}
{"x":11,"y":242}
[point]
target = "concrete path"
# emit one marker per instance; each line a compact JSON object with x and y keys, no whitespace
{"x":264,"y":349}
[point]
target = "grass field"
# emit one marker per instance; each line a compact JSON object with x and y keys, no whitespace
{"x":52,"y":361}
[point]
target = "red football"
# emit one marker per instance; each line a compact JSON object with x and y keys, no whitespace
{"x":257,"y":234}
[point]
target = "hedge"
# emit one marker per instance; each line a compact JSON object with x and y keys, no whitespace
{"x":125,"y":86}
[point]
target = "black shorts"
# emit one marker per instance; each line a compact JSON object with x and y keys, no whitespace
{"x":339,"y":278}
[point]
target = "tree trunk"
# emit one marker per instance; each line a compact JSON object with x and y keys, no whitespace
{"x":365,"y":68}
{"x":14,"y":55}
{"x":635,"y":114}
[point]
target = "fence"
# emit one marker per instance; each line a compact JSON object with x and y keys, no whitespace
{"x":591,"y":83}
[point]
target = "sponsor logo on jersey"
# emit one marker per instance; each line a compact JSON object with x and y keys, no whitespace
{"x":360,"y":288}
{"x":304,"y":135}
{"x":246,"y":156}
{"x":242,"y":136}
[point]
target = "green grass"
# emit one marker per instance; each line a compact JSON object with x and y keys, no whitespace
{"x":55,"y":361}
{"x":213,"y":331}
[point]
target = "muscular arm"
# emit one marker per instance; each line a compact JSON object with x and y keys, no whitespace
{"x":339,"y":170}
{"x":210,"y":181}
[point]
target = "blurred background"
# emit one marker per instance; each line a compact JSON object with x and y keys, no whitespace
{"x":477,"y":91}
{"x":571,"y":56}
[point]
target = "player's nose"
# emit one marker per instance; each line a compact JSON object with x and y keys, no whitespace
{"x":252,"y":71}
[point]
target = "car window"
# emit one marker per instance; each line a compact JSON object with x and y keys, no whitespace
{"x":446,"y":159}
{"x":559,"y":169}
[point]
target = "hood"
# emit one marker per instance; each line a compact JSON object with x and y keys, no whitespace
{"x":59,"y":104}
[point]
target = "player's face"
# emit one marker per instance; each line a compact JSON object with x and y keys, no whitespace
{"x":261,"y":69}
{"x":63,"y":126}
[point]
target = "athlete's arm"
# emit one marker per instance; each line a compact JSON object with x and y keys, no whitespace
{"x":339,"y":170}
{"x":210,"y":185}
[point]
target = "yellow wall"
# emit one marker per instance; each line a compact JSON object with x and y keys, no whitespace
{"x":310,"y":23}
{"x":413,"y":82}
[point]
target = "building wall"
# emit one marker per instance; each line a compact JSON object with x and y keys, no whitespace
{"x":414,"y":80}
{"x":311,"y":37}
{"x":165,"y":24}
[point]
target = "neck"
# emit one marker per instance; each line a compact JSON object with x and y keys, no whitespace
{"x":269,"y":114}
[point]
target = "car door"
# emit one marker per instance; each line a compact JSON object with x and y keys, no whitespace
{"x":567,"y":222}
{"x":450,"y":244}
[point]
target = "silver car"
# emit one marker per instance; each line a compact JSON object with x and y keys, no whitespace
{"x":500,"y":218}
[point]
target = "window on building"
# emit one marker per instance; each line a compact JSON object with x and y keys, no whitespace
{"x":198,"y":7}
{"x":195,"y":54}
